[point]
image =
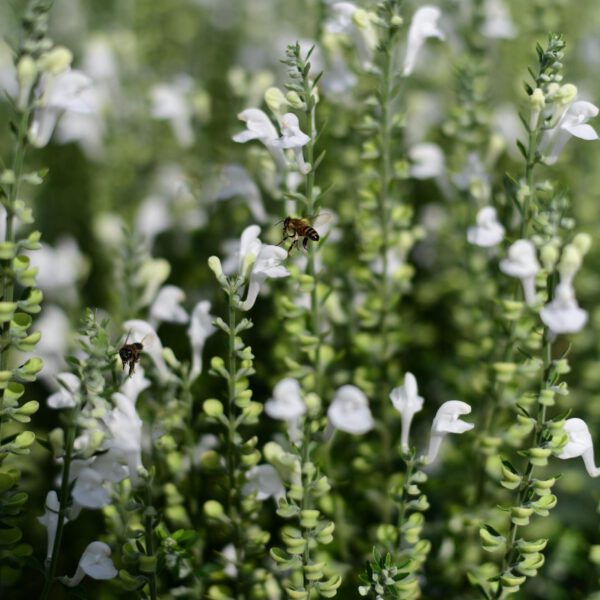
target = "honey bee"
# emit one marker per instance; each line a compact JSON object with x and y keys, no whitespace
{"x":302,"y":229}
{"x":130,"y":353}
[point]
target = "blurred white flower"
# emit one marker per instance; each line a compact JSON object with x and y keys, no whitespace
{"x":427,"y":161}
{"x":172,"y":102}
{"x":287,"y":405}
{"x":497,"y":22}
{"x":90,"y":490}
{"x":264,"y":481}
{"x":95,"y":562}
{"x":85,"y":129}
{"x":8,"y":76}
{"x":200,"y":329}
{"x":111,"y":466}
{"x":424,"y":25}
{"x":338,"y":79}
{"x":68,"y":91}
{"x":407,"y":402}
{"x":580,"y":444}
{"x":142,"y":331}
{"x":230,"y":556}
{"x":573,"y":123}
{"x":523,"y":264}
{"x":488,"y":231}
{"x":563,"y":314}
{"x":447,"y":420}
{"x":100,"y":63}
{"x":167,"y":306}
{"x":293,"y":138}
{"x":259,"y":127}
{"x":50,"y":521}
{"x":65,"y":397}
{"x":349,"y":411}
{"x":135,"y":384}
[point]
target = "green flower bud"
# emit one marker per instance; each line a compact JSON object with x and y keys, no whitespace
{"x":27,"y":73}
{"x":275,"y":100}
{"x":214,"y":264}
{"x":520,"y":515}
{"x":214,"y":510}
{"x":565,"y":94}
{"x":56,"y":61}
{"x":212,"y":408}
{"x":549,"y":256}
{"x":583,"y":243}
{"x":309,"y":518}
{"x":294,"y":100}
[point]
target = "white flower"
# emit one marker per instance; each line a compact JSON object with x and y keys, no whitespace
{"x":53,"y":324}
{"x":142,"y":331}
{"x":66,"y":395}
{"x":230,"y":556}
{"x":424,"y":25}
{"x":95,"y":562}
{"x":407,"y":402}
{"x":259,"y":127}
{"x":523,"y":264}
{"x":171,"y":102}
{"x":287,"y":405}
{"x":562,"y":314}
{"x":90,"y":490}
{"x":111,"y":466}
{"x":200,"y":329}
{"x":293,"y":138}
{"x":67,"y":91}
{"x":427,"y":161}
{"x":447,"y":420}
{"x":264,"y":481}
{"x":135,"y":384}
{"x":488,"y":231}
{"x":167,"y":306}
{"x":125,"y":428}
{"x":50,"y":520}
{"x":573,"y":123}
{"x":349,"y":411}
{"x":497,"y":23}
{"x":580,"y":444}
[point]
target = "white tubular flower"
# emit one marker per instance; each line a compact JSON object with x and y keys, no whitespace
{"x":54,"y":326}
{"x":573,"y":123}
{"x":349,"y":411}
{"x":259,"y":127}
{"x":563,"y":314}
{"x":264,"y":481}
{"x":580,"y":444}
{"x":200,"y":329}
{"x":293,"y":138}
{"x":287,"y":405}
{"x":407,"y":402}
{"x":427,"y":161}
{"x":95,"y":562}
{"x":167,"y":306}
{"x":230,"y":557}
{"x":447,"y":420}
{"x":139,"y":330}
{"x":523,"y":264}
{"x":67,"y":91}
{"x":90,"y":490}
{"x":424,"y":25}
{"x":111,"y":466}
{"x":488,"y":231}
{"x":50,"y":520}
{"x":135,"y":384}
{"x":497,"y":23}
{"x":267,"y":266}
{"x":171,"y":102}
{"x":66,"y":397}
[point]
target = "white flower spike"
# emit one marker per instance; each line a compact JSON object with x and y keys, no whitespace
{"x":407,"y":402}
{"x":349,"y":411}
{"x":200,"y":329}
{"x":580,"y":444}
{"x":523,"y":264}
{"x":447,"y":420}
{"x":287,"y":405}
{"x":167,"y":306}
{"x":293,"y":138}
{"x":424,"y":25}
{"x":563,"y":314}
{"x":264,"y":481}
{"x":95,"y":562}
{"x":50,"y":520}
{"x":488,"y":231}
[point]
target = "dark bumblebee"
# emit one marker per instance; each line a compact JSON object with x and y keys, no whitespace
{"x":130,"y":355}
{"x":298,"y":229}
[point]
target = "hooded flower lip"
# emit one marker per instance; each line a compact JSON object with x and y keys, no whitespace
{"x":287,"y":405}
{"x":563,"y":314}
{"x":89,"y":489}
{"x":580,"y":444}
{"x":407,"y":402}
{"x":65,"y":397}
{"x":95,"y":562}
{"x":349,"y":411}
{"x":167,"y":306}
{"x":67,"y":91}
{"x":488,"y":231}
{"x":424,"y":25}
{"x":135,"y":384}
{"x":200,"y":329}
{"x":142,"y":330}
{"x":264,"y":481}
{"x":573,"y":123}
{"x":259,"y":127}
{"x":447,"y":420}
{"x":50,"y":520}
{"x":170,"y":102}
{"x":523,"y":264}
{"x":497,"y":23}
{"x":427,"y":161}
{"x":293,"y":138}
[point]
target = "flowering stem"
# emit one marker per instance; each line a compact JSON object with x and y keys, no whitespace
{"x":63,"y":502}
{"x":410,"y":465}
{"x":149,"y":537}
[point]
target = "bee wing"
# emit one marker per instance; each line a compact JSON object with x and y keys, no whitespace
{"x":148,"y":340}
{"x":323,"y":222}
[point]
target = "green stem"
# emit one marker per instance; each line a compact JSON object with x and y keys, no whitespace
{"x":149,"y":537}
{"x":410,"y":465}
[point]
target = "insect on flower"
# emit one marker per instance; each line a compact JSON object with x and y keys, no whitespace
{"x":130,"y":353}
{"x":302,"y":229}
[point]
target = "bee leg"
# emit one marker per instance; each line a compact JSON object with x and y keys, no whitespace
{"x":294,"y":243}
{"x":131,"y":369}
{"x":285,"y":237}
